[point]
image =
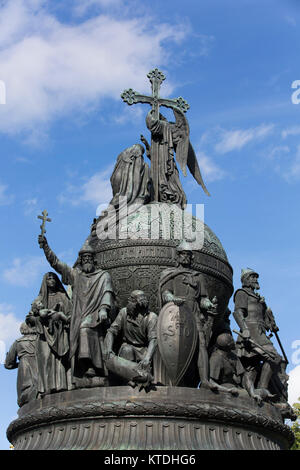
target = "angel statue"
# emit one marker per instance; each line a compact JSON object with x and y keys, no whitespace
{"x":167,"y":138}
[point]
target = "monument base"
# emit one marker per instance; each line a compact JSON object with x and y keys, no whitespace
{"x":167,"y":418}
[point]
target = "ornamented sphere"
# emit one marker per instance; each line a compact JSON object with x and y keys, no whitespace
{"x":145,"y":245}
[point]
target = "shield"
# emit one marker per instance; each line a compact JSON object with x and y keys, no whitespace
{"x":177,"y":339}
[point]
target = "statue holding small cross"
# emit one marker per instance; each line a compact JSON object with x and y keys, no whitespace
{"x":167,"y":138}
{"x":44,"y":218}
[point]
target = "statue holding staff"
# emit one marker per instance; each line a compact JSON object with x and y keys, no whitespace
{"x":92,"y":302}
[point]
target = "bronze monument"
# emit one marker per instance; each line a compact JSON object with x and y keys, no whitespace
{"x":139,"y":354}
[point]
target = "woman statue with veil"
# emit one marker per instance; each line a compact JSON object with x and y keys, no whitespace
{"x":50,"y":314}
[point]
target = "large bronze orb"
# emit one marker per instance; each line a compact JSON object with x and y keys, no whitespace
{"x":136,"y":259}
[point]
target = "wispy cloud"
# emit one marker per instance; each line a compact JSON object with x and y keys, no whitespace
{"x":294,"y":385}
{"x":238,"y":138}
{"x":83,"y":6}
{"x":9,"y":323}
{"x":291,"y":171}
{"x":95,"y":190}
{"x":29,"y":206}
{"x":209,"y":169}
{"x":25,"y":271}
{"x":5,"y":198}
{"x":294,"y":130}
{"x":9,"y":329}
{"x":51,"y":68}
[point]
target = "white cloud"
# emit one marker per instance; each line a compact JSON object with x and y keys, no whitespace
{"x":29,"y":206}
{"x":82,"y":6}
{"x":294,"y":130}
{"x":209,"y":170}
{"x":237,"y":139}
{"x":51,"y":68}
{"x":291,"y":173}
{"x":9,"y":329}
{"x":25,"y":271}
{"x":294,"y":385}
{"x":277,"y":152}
{"x":5,"y":199}
{"x":96,"y":190}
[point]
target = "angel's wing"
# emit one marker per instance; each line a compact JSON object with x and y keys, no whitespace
{"x":193,"y":166}
{"x":185,"y":154}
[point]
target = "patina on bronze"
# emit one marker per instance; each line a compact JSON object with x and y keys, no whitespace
{"x":152,"y":313}
{"x":165,"y":138}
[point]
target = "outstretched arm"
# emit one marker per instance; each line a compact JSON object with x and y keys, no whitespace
{"x":59,"y":266}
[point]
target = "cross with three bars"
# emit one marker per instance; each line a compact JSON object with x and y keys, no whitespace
{"x":45,"y":219}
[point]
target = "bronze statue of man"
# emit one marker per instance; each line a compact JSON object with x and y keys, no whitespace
{"x":22,"y":355}
{"x":92,"y":301}
{"x":184,"y":286}
{"x":136,"y":325}
{"x":225,"y":368}
{"x":257,"y":353}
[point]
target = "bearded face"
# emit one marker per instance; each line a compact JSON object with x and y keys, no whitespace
{"x":185,"y":259}
{"x":252,"y":282}
{"x":87,"y":263}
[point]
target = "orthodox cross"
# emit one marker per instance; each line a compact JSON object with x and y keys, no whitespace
{"x":130,"y":97}
{"x":44,"y":218}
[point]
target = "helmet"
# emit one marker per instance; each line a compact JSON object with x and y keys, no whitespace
{"x":245,"y":273}
{"x":86,"y":249}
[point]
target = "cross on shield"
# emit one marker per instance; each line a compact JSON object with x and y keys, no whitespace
{"x":177,"y":339}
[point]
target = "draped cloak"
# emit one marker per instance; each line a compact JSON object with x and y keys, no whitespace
{"x":23,"y":350}
{"x":170,"y":188}
{"x":53,"y":340}
{"x":90,"y":293}
{"x":130,"y":177}
{"x":131,"y":187}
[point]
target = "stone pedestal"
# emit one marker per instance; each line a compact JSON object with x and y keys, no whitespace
{"x":167,"y":418}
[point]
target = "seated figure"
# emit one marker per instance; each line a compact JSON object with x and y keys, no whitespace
{"x":136,"y":326}
{"x":225,"y":367}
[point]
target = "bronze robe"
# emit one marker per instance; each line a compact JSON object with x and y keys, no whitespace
{"x":24,"y":351}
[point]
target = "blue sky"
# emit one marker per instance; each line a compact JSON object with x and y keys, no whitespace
{"x":64,"y":65}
